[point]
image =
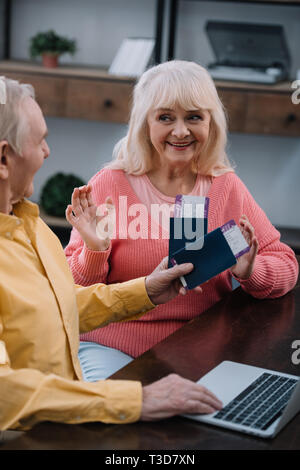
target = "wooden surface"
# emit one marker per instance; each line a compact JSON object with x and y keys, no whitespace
{"x":75,"y":92}
{"x":239,"y":328}
{"x":98,"y":100}
{"x":272,"y":114}
{"x":69,"y":71}
{"x":261,"y":111}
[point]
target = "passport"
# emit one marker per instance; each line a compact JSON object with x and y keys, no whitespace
{"x":220,"y":250}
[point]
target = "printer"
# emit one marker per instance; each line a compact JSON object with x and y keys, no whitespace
{"x":248,"y":52}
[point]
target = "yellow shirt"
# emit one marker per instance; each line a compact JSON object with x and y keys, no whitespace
{"x":41,"y":314}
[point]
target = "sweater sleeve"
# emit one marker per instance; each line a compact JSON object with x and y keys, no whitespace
{"x":276,"y":268}
{"x":87,"y":266}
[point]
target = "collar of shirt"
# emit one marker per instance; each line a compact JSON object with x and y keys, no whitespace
{"x":24,"y":211}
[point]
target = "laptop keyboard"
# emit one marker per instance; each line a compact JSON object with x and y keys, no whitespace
{"x":261,"y":403}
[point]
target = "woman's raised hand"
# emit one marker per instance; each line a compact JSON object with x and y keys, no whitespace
{"x":83,"y":214}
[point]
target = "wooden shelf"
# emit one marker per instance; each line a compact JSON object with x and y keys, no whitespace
{"x":70,"y":71}
{"x":94,"y":73}
{"x":100,"y":73}
{"x":91,"y":93}
{"x":75,"y":92}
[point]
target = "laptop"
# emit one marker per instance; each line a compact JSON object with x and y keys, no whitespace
{"x":248,"y":52}
{"x":255,"y":401}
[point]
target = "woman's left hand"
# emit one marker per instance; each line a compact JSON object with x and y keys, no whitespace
{"x":245,"y":263}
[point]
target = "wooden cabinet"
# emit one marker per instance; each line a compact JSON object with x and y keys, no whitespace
{"x":261,"y":110}
{"x":235,"y":104}
{"x":100,"y":100}
{"x":75,"y":92}
{"x":272,"y":114}
{"x":92,"y":94}
{"x":50,"y":91}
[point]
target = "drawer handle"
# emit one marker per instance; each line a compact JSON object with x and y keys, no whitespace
{"x":108,"y":103}
{"x":291,"y":118}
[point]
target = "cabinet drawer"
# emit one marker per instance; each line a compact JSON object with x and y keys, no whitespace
{"x":270,"y":113}
{"x":99,"y":100}
{"x":50,"y":92}
{"x":235,"y":105}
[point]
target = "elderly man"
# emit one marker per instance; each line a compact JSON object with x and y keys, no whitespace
{"x":42,"y":311}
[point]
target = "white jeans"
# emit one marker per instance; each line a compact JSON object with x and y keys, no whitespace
{"x":99,"y":362}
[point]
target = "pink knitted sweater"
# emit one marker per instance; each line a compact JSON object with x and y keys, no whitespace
{"x":275,"y":271}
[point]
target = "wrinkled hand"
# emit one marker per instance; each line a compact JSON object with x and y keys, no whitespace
{"x":174,"y":395}
{"x":82,"y":214}
{"x":245,"y":263}
{"x":163,"y":284}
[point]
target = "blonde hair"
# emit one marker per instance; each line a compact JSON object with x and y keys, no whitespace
{"x":12,"y":121}
{"x":166,"y":85}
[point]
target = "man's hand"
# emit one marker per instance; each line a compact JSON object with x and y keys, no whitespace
{"x":245,"y":263}
{"x":164,"y":284}
{"x":82,"y":214}
{"x":174,"y":395}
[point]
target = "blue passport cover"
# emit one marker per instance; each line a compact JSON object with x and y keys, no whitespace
{"x":176,"y":244}
{"x":213,"y":258}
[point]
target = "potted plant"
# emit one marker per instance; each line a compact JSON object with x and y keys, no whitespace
{"x":50,"y":46}
{"x":57,"y":192}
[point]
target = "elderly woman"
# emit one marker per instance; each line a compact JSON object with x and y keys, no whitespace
{"x":175,"y":144}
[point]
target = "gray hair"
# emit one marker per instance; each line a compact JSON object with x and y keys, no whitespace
{"x":12,"y":123}
{"x":165,"y":85}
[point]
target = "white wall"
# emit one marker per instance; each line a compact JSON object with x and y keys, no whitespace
{"x":79,"y":147}
{"x":1,"y":28}
{"x":269,"y":165}
{"x":98,"y":25}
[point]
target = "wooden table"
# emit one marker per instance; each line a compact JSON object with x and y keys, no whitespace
{"x":239,"y":328}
